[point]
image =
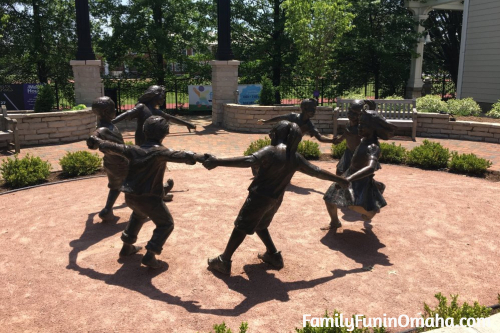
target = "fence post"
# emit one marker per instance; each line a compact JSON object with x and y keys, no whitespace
{"x":175,"y":88}
{"x":322,"y":90}
{"x":442,"y":91}
{"x":119,"y":97}
{"x":57,"y":95}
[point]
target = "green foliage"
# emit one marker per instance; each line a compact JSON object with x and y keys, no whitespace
{"x":29,"y":170}
{"x":309,"y":149}
{"x":310,"y":329}
{"x":129,"y":143}
{"x":429,"y":155}
{"x":390,"y":153}
{"x":354,"y":96}
{"x":377,"y":48}
{"x":78,"y":107}
{"x":339,"y":149}
{"x":222,"y":328}
{"x":45,"y":98}
{"x":317,"y":28}
{"x":453,"y":310}
{"x":468,"y":163}
{"x":257,"y":145}
{"x":266,"y":96}
{"x":431,"y":103}
{"x":495,"y":110}
{"x":393,"y":97}
{"x":463,"y":107}
{"x":80,"y":163}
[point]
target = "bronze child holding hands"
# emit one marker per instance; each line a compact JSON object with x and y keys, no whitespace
{"x":363,"y":194}
{"x":277,"y":164}
{"x":116,"y":167}
{"x":143,"y":186}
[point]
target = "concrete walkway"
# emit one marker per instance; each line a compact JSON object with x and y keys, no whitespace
{"x":209,"y":138}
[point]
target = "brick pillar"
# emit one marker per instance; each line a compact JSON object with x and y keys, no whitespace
{"x":224,"y":84}
{"x":88,"y":83}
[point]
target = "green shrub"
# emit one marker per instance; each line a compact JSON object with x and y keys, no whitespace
{"x":443,"y":310}
{"x":463,"y":107}
{"x":45,"y":98}
{"x":309,"y":149}
{"x":390,"y":153}
{"x":257,"y":145}
{"x":339,"y":149}
{"x":29,"y":170}
{"x":222,"y":328}
{"x":129,"y":143}
{"x":394,"y":97}
{"x":429,"y":155}
{"x":468,"y":163}
{"x":354,"y":96}
{"x":431,"y":103}
{"x":78,"y":107}
{"x":267,"y":93}
{"x":495,"y":110}
{"x":80,"y":163}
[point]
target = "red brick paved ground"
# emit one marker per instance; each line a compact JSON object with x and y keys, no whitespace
{"x":209,"y":138}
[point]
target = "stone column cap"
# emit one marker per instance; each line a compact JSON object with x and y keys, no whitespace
{"x":225,"y":62}
{"x":85,"y":62}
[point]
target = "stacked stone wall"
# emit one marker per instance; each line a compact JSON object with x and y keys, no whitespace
{"x":431,"y":125}
{"x":54,"y":127}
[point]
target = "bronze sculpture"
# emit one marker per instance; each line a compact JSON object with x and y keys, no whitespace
{"x":115,"y":166}
{"x":364,"y":194}
{"x":147,"y":106}
{"x":143,"y":185}
{"x":303,"y":119}
{"x":277,"y":164}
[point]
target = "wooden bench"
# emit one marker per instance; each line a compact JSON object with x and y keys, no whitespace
{"x":401,"y":112}
{"x":8,"y":131}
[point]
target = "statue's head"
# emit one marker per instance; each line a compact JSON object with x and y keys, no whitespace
{"x":308,"y":106}
{"x":371,"y":123}
{"x":156,"y":128}
{"x":287,"y":133}
{"x":104,"y":108}
{"x":154,"y":94}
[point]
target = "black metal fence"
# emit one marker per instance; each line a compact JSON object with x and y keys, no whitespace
{"x":442,"y":86}
{"x":126,"y":91}
{"x":65,"y":95}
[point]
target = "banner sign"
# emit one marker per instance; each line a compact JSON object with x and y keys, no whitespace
{"x":18,"y":96}
{"x":200,"y":97}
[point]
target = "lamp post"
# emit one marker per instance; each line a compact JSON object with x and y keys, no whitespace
{"x":224,"y":51}
{"x":84,"y":51}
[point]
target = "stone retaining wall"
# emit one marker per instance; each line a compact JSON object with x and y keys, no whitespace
{"x":244,"y":118}
{"x":54,"y":127}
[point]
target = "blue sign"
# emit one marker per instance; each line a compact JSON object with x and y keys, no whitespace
{"x":249,"y":94}
{"x":18,"y":96}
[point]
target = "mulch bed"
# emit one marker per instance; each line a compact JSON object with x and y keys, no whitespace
{"x":481,"y":119}
{"x":59,"y":175}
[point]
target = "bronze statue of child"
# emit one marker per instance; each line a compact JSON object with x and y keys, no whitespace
{"x":277,"y":164}
{"x":363,"y":195}
{"x":351,"y":132}
{"x":147,"y":106}
{"x":303,"y":119}
{"x":143,"y":186}
{"x":116,"y":167}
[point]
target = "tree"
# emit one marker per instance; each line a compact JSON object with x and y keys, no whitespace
{"x":443,"y":53}
{"x":260,"y":41}
{"x":150,"y":35}
{"x":317,"y":27}
{"x":38,"y":40}
{"x":378,"y":49}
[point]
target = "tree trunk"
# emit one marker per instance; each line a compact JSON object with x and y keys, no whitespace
{"x":158,"y":20}
{"x":39,"y":51}
{"x":278,"y":29}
